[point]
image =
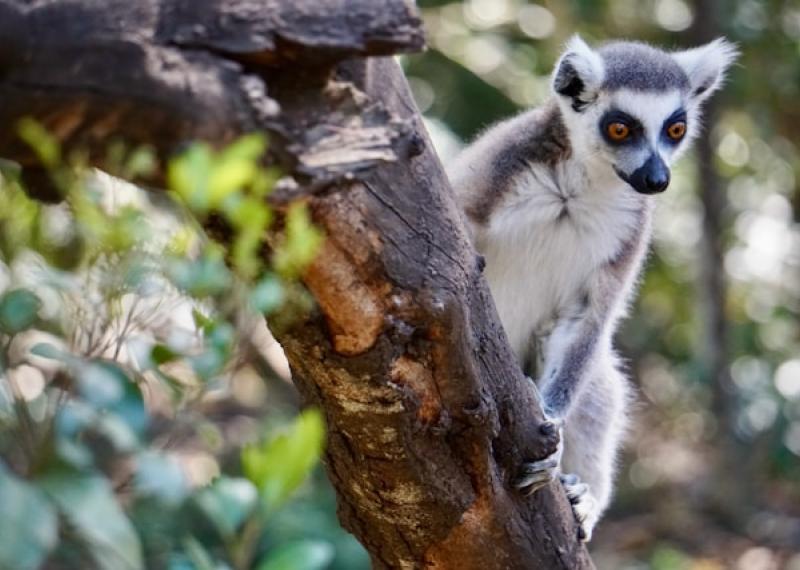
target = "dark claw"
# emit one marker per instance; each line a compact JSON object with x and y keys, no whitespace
{"x":548,"y":429}
{"x":532,"y":483}
{"x":581,"y":533}
{"x":551,"y":426}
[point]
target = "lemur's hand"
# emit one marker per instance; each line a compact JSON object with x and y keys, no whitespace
{"x":536,"y":474}
{"x":584,"y":505}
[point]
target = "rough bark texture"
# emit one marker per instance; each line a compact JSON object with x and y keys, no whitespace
{"x":428,"y":414}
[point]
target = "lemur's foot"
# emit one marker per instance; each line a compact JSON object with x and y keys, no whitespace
{"x":584,"y":505}
{"x":536,"y":474}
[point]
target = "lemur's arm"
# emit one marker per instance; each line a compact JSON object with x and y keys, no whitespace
{"x":574,"y":341}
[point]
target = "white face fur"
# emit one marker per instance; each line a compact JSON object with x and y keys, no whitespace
{"x":633,"y":109}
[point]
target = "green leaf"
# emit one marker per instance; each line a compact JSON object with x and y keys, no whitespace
{"x":219,"y":340}
{"x":250,"y":217}
{"x":208,"y":363}
{"x":248,"y":147}
{"x":227,"y":502}
{"x":188,"y":176}
{"x":142,"y":162}
{"x":18,"y":310}
{"x":221,"y":336}
{"x":299,"y":555}
{"x":161,"y":354}
{"x":201,"y":321}
{"x":199,"y":558}
{"x":29,"y":528}
{"x":42,"y":142}
{"x":91,"y":509}
{"x":267,"y":295}
{"x":201,"y":277}
{"x":76,"y":417}
{"x":105,"y":386}
{"x":46,"y":350}
{"x":9,"y":170}
{"x":282,"y":463}
{"x":117,"y":431}
{"x":160,"y":476}
{"x":228,"y":177}
{"x":301,"y":244}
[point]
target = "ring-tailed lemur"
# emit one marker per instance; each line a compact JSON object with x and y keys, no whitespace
{"x":559,"y":201}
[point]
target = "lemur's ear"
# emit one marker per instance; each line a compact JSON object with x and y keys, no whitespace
{"x":705,"y":66}
{"x":578,"y":74}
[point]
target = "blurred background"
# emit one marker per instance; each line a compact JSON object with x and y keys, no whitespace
{"x":711,"y":475}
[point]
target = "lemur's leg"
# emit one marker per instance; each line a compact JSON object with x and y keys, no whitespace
{"x":593,"y":433}
{"x":580,"y":376}
{"x":568,"y":353}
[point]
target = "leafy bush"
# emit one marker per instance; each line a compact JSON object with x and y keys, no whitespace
{"x":122,"y":329}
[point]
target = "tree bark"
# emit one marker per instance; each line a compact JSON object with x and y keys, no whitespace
{"x":428,"y":414}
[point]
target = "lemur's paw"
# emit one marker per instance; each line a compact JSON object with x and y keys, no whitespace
{"x":536,"y":474}
{"x":584,"y":505}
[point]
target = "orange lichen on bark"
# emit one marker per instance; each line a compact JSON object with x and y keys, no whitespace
{"x":353,"y":302}
{"x":416,"y":377}
{"x":353,"y":310}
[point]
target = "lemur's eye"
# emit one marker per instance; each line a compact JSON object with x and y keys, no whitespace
{"x":618,"y":131}
{"x":676,"y":130}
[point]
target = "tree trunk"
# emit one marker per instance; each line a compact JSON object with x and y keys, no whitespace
{"x":428,"y":414}
{"x":731,"y":454}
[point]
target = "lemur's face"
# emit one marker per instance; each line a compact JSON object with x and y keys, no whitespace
{"x":639,"y":133}
{"x":636,"y":108}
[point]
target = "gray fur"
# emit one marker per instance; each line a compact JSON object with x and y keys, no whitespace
{"x":640,"y":67}
{"x":534,"y":137}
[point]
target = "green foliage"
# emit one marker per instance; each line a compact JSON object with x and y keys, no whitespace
{"x":301,"y":244}
{"x":231,"y":184}
{"x":117,"y":324}
{"x":18,"y":310}
{"x":227,"y":503}
{"x":43,"y":143}
{"x":667,"y":558}
{"x":89,"y":509}
{"x":31,"y":527}
{"x":300,"y":555}
{"x":281,"y":463}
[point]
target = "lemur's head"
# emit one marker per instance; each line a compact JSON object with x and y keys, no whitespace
{"x":635,"y":107}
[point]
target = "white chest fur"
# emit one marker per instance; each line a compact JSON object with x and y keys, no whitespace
{"x":544,"y":242}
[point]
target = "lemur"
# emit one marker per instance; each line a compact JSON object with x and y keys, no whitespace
{"x":559,"y":200}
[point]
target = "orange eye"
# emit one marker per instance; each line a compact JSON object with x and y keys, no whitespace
{"x":676,"y":130}
{"x":618,"y":131}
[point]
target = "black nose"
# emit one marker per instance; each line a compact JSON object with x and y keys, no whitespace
{"x":650,"y":178}
{"x":657,"y":181}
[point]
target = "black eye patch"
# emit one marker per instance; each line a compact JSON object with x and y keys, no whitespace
{"x":677,"y":116}
{"x":616,"y":116}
